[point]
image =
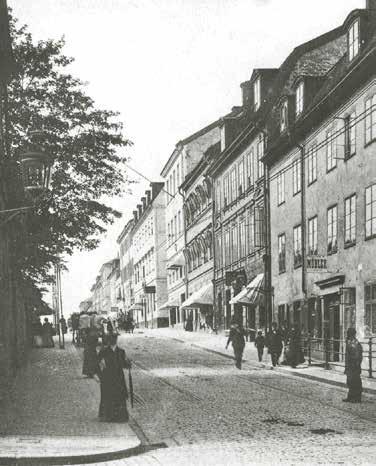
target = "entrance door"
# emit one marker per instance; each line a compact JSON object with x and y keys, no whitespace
{"x":332,"y":323}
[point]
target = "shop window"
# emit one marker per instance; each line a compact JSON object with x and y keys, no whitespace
{"x":370,"y":307}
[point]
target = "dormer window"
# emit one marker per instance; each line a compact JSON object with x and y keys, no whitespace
{"x":257,"y":93}
{"x":353,"y":40}
{"x":299,"y":98}
{"x":284,"y":116}
{"x":223,"y":137}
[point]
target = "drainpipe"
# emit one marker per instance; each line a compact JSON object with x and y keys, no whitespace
{"x":215,"y":306}
{"x":303,"y":221}
{"x":267,"y":255}
{"x":185,"y":244}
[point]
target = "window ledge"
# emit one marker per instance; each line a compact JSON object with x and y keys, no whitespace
{"x":281,"y":203}
{"x":297,"y":266}
{"x":373,"y":140}
{"x":281,"y":272}
{"x":350,"y":245}
{"x":312,"y":182}
{"x":297,"y":192}
{"x":348,"y":157}
{"x":368,"y":238}
{"x":331,"y":253}
{"x":331,"y":169}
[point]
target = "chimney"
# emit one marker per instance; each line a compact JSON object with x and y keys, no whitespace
{"x":143,"y":199}
{"x":139,"y":207}
{"x":148,"y":196}
{"x":135,"y":215}
{"x":247,"y":96}
{"x":156,"y":188}
{"x":371,"y":4}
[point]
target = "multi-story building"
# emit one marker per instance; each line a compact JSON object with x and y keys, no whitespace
{"x":198,"y":252}
{"x":126,"y":265}
{"x":86,"y":305}
{"x":116,"y":297}
{"x":320,"y":155}
{"x":149,"y":259}
{"x":239,"y":208}
{"x":185,"y":157}
{"x":101,"y":290}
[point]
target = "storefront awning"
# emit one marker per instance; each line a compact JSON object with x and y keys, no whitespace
{"x":171,"y":303}
{"x":176,"y":263}
{"x":136,"y":307}
{"x":250,"y":293}
{"x":202,"y":297}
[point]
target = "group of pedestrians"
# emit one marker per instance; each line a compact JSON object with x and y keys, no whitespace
{"x":289,"y":343}
{"x":43,"y":333}
{"x":278,"y":341}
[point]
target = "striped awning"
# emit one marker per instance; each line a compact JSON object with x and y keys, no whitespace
{"x":250,"y":293}
{"x":202,"y":297}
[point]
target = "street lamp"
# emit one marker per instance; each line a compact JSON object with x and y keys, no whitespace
{"x":36,"y":166}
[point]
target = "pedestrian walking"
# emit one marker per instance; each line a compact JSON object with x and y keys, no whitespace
{"x":353,"y":367}
{"x":274,"y":343}
{"x":111,"y":362}
{"x":295,"y":353}
{"x":260,"y":345}
{"x":90,"y":364}
{"x":237,"y":339}
{"x":47,"y":334}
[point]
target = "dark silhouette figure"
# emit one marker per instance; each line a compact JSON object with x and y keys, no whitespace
{"x":237,"y":339}
{"x":353,"y":364}
{"x":274,"y":343}
{"x":260,"y":345}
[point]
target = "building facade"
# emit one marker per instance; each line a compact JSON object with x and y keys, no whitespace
{"x":198,"y":252}
{"x":184,"y":159}
{"x":125,"y":244}
{"x":149,"y":259}
{"x":323,"y":184}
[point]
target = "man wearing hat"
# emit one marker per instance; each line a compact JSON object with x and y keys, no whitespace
{"x":353,"y":364}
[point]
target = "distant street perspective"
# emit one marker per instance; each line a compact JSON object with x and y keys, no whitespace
{"x":187,"y":232}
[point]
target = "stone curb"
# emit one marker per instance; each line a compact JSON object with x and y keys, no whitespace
{"x":80,"y":458}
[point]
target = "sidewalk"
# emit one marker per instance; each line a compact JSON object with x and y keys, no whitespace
{"x":50,"y":415}
{"x":216,"y":343}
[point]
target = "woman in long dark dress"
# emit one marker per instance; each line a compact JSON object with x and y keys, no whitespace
{"x":111,"y":362}
{"x":47,"y":333}
{"x":90,"y":365}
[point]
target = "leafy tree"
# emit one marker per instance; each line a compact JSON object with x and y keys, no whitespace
{"x":86,"y":142}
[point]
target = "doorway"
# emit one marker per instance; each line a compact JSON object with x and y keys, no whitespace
{"x":332,"y":325}
{"x":228,"y":308}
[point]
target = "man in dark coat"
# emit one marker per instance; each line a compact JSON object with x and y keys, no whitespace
{"x":274,"y":343}
{"x":353,"y":363}
{"x":111,"y":362}
{"x":237,"y":339}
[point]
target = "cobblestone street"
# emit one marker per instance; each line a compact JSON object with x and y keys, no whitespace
{"x":208,"y":412}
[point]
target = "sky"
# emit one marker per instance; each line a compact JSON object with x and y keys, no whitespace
{"x":170,"y":67}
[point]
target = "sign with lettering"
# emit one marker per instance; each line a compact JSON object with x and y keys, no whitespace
{"x":316,"y":262}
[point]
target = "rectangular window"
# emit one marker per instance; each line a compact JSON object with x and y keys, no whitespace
{"x":350,"y":135}
{"x":257,"y":93}
{"x":282,"y":253}
{"x":218,"y":195}
{"x":251,"y":231}
{"x":296,"y":177}
{"x":174,"y":182}
{"x":353,"y":40}
{"x":241,"y":185}
{"x":226,"y":190}
{"x":234,"y":242}
{"x":371,"y":211}
{"x":331,"y":151}
{"x":168,"y":191}
{"x":281,"y":188}
{"x":370,"y":307}
{"x":179,"y":223}
{"x":300,"y":98}
{"x":370,"y":119}
{"x":312,"y":237}
{"x":177,"y":176}
{"x":250,"y":168}
{"x":234,"y":185}
{"x":259,"y":227}
{"x":332,"y":221}
{"x":242,"y":240}
{"x":350,"y":220}
{"x":227,"y":248}
{"x":284,"y":116}
{"x":312,"y":164}
{"x":260,"y":155}
{"x":297,"y":246}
